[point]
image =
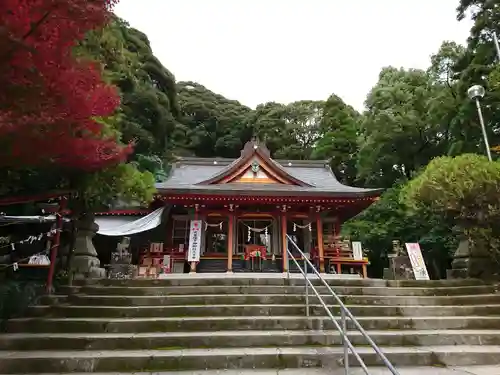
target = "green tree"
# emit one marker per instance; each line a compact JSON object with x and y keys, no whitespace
{"x":211,"y":125}
{"x":268,"y":123}
{"x":290,"y":131}
{"x":399,"y":133}
{"x":121,"y":183}
{"x":338,"y":134}
{"x":388,"y":220}
{"x":463,"y":189}
{"x":302,"y":123}
{"x":478,"y":65}
{"x":446,"y":107}
{"x":149,"y":109}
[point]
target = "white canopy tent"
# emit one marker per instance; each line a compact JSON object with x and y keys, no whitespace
{"x":108,"y":225}
{"x":124,"y":226}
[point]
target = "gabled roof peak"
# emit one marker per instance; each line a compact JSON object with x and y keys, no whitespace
{"x":253,"y":146}
{"x":254,"y":149}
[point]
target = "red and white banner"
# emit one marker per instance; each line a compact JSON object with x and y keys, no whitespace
{"x":194,"y":241}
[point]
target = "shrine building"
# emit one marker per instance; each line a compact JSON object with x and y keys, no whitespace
{"x":240,"y":211}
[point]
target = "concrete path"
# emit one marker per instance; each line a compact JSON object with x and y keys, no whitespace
{"x":470,"y":370}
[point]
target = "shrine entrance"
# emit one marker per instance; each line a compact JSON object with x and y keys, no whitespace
{"x":257,"y":245}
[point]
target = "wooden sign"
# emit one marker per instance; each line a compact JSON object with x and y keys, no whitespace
{"x":357,"y":251}
{"x":417,"y":261}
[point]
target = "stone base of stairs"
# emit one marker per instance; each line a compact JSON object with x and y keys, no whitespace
{"x":239,"y":358}
{"x":253,"y":325}
{"x":469,"y":370}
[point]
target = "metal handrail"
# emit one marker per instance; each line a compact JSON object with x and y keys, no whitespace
{"x":345,"y":313}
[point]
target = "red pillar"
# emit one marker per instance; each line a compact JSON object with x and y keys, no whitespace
{"x":284,"y":241}
{"x":321,"y":251}
{"x":230,"y":242}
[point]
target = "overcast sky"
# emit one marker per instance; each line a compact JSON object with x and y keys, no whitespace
{"x":257,"y":51}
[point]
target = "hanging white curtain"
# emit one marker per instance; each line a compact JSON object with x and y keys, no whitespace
{"x":123,"y":226}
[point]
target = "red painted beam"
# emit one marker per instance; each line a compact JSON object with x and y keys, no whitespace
{"x":6,"y":201}
{"x":123,"y":212}
{"x":179,"y":199}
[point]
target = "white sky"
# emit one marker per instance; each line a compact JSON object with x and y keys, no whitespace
{"x":257,"y":51}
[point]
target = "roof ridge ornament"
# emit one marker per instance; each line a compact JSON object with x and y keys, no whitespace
{"x":255,"y":167}
{"x":253,"y":145}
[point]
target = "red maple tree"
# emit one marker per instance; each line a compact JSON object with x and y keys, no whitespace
{"x":49,"y":99}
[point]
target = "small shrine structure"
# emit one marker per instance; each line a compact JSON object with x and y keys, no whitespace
{"x":230,"y":215}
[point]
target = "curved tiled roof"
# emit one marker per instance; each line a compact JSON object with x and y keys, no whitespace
{"x":187,"y":175}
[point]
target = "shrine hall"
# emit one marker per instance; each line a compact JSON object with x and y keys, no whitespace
{"x":234,"y":215}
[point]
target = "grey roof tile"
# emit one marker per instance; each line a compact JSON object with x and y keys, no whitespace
{"x":186,"y":176}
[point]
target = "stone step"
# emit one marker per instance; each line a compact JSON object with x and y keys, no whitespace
{"x":30,"y":362}
{"x":429,"y":370}
{"x":254,"y":299}
{"x":192,"y":324}
{"x":231,"y":339}
{"x":81,"y":311}
{"x":269,"y":289}
{"x":275,"y":280}
{"x":52,"y":299}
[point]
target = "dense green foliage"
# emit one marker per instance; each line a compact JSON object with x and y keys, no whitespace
{"x":209,"y":125}
{"x":148,"y":93}
{"x":411,"y":117}
{"x":463,"y":189}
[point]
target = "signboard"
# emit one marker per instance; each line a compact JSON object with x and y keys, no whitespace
{"x":167,"y":264}
{"x":194,"y":241}
{"x":357,"y":251}
{"x":417,"y":261}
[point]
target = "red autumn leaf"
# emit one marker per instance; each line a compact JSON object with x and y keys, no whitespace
{"x":48,"y":98}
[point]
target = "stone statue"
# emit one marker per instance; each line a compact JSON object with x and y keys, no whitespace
{"x":121,"y":259}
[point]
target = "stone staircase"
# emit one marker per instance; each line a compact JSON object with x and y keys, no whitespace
{"x":219,"y":323}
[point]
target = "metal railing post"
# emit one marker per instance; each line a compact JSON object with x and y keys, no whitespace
{"x":287,"y":260}
{"x":345,"y":314}
{"x":344,"y":341}
{"x":307,"y":287}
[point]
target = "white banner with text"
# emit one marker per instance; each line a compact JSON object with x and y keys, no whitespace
{"x":417,"y":261}
{"x":194,"y":248}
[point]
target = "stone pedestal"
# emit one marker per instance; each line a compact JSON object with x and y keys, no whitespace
{"x":121,"y":266}
{"x":399,"y":268}
{"x":63,"y":254}
{"x":460,"y":263}
{"x":85,"y":263}
{"x":472,"y":262}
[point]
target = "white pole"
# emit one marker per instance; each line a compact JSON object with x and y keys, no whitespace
{"x":497,"y":45}
{"x":483,"y":127}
